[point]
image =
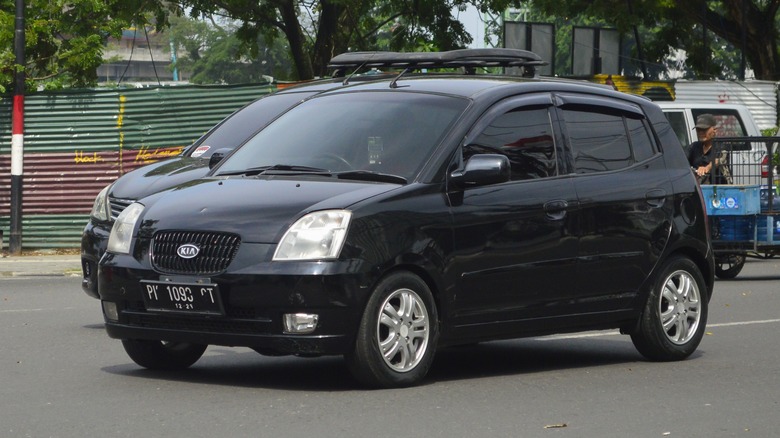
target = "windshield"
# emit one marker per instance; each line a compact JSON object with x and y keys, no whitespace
{"x":384,"y":132}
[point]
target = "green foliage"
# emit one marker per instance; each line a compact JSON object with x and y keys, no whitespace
{"x":214,"y":54}
{"x":664,"y":26}
{"x":317,"y":30}
{"x":64,"y":39}
{"x":294,"y":39}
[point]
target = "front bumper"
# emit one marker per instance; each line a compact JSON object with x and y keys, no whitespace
{"x":94,"y":241}
{"x":255,"y":301}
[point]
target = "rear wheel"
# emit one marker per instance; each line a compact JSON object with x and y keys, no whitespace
{"x":163,"y":355}
{"x":675,"y":314}
{"x":397,"y":336}
{"x":729,"y":266}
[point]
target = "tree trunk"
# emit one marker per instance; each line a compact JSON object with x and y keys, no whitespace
{"x":324,"y":46}
{"x":761,"y":50}
{"x":292,"y":30}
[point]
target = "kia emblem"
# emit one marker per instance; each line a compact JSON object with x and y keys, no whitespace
{"x":187,"y":251}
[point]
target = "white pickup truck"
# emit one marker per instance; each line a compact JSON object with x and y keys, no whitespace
{"x":748,"y":162}
{"x":735,"y":237}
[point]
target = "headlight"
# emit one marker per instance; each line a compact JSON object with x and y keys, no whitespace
{"x":101,"y":210}
{"x":122,"y":232}
{"x":318,"y":235}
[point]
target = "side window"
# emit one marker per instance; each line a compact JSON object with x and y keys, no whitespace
{"x":599,"y":141}
{"x":525,"y":136}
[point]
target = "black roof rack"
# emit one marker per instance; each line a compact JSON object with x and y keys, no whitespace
{"x":470,"y":59}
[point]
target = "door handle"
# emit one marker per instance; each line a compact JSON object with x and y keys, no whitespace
{"x":555,"y":210}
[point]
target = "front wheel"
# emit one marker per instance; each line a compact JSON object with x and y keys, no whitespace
{"x":675,"y":314}
{"x":396,"y":340}
{"x":163,"y":355}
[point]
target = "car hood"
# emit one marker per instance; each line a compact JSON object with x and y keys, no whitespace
{"x":258,"y":209}
{"x":158,"y":176}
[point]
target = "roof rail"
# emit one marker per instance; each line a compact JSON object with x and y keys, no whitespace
{"x":470,"y":59}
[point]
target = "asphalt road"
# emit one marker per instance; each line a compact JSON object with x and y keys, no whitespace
{"x":61,"y":376}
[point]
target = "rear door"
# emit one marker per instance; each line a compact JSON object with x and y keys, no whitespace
{"x":625,"y":199}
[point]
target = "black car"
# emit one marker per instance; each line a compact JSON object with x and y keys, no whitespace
{"x":194,"y":162}
{"x":384,"y":220}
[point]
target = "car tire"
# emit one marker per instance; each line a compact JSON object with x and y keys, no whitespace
{"x":397,"y":337}
{"x":162,"y":355}
{"x":674,"y":317}
{"x":729,"y":266}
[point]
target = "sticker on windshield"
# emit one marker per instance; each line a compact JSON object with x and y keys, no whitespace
{"x":200,"y":151}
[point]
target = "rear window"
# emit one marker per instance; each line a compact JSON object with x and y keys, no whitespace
{"x":729,"y":122}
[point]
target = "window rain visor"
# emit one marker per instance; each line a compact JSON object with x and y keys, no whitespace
{"x":381,"y":131}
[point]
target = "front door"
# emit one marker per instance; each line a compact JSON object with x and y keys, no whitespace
{"x":515,"y":242}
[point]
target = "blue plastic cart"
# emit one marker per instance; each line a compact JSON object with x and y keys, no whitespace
{"x":744,"y":212}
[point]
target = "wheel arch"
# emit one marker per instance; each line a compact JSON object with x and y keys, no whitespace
{"x":707,"y":271}
{"x":706,"y":268}
{"x":424,"y":275}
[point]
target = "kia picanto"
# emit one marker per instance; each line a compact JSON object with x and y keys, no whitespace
{"x":383,"y":220}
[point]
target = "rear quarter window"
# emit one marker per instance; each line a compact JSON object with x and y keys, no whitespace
{"x":641,"y":141}
{"x":677,"y":121}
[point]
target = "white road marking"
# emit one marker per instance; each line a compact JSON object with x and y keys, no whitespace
{"x":37,"y":310}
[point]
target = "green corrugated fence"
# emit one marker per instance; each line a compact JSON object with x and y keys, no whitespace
{"x":77,"y":142}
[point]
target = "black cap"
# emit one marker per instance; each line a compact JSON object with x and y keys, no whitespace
{"x":705,"y":121}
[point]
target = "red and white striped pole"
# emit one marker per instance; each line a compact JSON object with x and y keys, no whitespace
{"x":17,"y":138}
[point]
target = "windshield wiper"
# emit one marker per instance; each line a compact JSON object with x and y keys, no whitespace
{"x":367,"y":175}
{"x":289,"y":169}
{"x":281,"y":168}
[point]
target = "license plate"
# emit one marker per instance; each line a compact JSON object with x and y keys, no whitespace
{"x":202,"y":298}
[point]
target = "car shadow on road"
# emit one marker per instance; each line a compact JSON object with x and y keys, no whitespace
{"x":746,"y":278}
{"x":245,"y":368}
{"x":527,"y":356}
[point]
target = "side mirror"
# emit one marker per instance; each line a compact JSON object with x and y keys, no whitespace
{"x":483,"y":169}
{"x":217,"y":156}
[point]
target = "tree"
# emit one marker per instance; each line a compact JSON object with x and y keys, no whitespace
{"x":748,"y":24}
{"x":65,"y":39}
{"x":316,"y":30}
{"x":212,"y":52}
{"x":730,"y":26}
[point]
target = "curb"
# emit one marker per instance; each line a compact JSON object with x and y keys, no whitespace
{"x":37,"y":266}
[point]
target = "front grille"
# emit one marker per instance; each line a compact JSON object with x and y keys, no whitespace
{"x":216,"y":251}
{"x":117,"y":205}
